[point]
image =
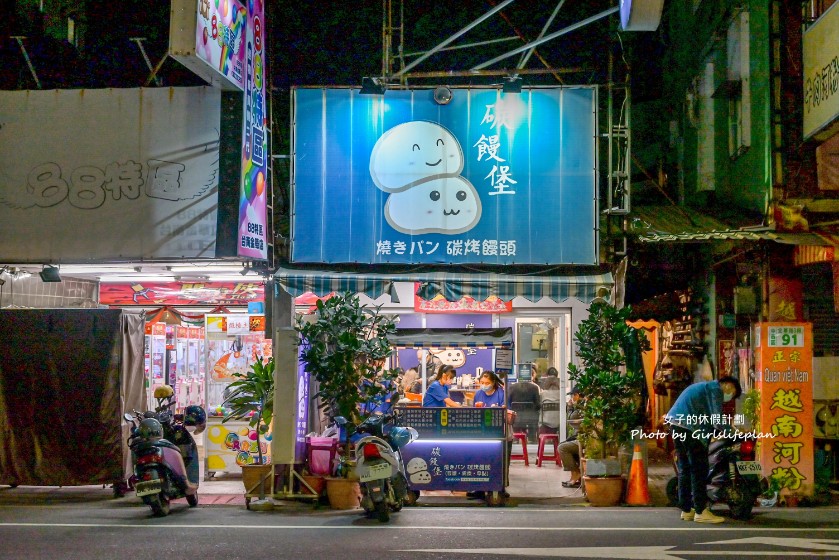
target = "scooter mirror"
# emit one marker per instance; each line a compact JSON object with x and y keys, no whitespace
{"x":128,"y":416}
{"x":340,"y":420}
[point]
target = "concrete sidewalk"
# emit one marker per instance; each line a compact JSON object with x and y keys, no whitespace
{"x":528,"y":485}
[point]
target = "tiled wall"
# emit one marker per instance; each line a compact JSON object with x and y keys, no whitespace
{"x":31,"y":291}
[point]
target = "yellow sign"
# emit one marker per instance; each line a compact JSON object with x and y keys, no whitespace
{"x":821,"y":73}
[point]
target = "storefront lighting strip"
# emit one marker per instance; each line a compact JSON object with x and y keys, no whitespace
{"x":236,"y":278}
{"x":142,"y":278}
{"x":199,"y":269}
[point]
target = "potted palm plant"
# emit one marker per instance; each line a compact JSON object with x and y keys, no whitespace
{"x":610,"y":379}
{"x":343,"y":347}
{"x":252,"y":398}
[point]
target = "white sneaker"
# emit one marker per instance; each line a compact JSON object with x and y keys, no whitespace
{"x":708,"y":516}
{"x":688,"y":515}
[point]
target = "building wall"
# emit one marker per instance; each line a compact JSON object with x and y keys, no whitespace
{"x":31,"y":291}
{"x":696,"y":39}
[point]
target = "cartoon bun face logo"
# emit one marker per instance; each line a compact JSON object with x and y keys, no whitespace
{"x":422,"y":477}
{"x":416,"y":464}
{"x":419,"y":164}
{"x":454,"y":357}
{"x":412,"y":153}
{"x":448,"y":205}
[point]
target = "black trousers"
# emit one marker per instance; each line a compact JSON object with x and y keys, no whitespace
{"x":692,"y":456}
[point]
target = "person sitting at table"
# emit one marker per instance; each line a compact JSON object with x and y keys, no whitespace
{"x":491,"y":392}
{"x":438,"y":392}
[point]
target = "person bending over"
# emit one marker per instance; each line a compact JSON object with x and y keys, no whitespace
{"x":691,"y":426}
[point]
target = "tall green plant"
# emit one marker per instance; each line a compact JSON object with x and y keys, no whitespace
{"x":611,"y":379}
{"x":252,"y":398}
{"x":343,"y":345}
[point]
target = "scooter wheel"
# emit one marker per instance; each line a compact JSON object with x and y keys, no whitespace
{"x":382,"y":511}
{"x":192,"y":500}
{"x":159,"y":505}
{"x":411,"y":498}
{"x":673,"y":492}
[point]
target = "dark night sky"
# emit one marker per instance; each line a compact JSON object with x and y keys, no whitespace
{"x":332,"y":42}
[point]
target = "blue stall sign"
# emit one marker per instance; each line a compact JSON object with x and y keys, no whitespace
{"x":464,"y":423}
{"x":488,"y":178}
{"x":455,"y":465}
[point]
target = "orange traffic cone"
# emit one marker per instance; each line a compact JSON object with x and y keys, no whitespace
{"x":637,"y":493}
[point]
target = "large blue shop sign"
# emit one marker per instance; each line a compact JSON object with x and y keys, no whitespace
{"x":488,"y":178}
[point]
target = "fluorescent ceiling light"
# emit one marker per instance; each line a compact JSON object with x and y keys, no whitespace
{"x":198,"y":269}
{"x":136,"y":278}
{"x":97,"y":269}
{"x":235,"y":278}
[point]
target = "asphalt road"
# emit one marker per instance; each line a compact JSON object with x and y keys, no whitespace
{"x":124,"y":529}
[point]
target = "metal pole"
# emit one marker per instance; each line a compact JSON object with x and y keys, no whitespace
{"x":456,"y":35}
{"x":527,"y":56}
{"x":153,"y":70}
{"x":19,"y":39}
{"x":550,"y":37}
{"x":468,"y":45}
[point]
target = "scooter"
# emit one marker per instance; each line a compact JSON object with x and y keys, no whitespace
{"x":734,"y":477}
{"x":165,"y":454}
{"x":379,"y":465}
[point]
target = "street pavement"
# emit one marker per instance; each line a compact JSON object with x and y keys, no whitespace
{"x":123,"y":528}
{"x":541,"y":520}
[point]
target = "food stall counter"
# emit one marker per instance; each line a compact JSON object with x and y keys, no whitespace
{"x":459,"y":449}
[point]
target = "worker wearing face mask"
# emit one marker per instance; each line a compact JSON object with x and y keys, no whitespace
{"x":694,"y":417}
{"x":491,"y":392}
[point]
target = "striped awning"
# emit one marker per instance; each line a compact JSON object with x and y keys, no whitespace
{"x":452,"y":286}
{"x":452,"y":338}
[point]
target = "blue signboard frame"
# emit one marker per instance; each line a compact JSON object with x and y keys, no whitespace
{"x":490,"y":177}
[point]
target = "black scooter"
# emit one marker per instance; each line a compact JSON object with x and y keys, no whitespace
{"x":165,"y":454}
{"x":734,"y":477}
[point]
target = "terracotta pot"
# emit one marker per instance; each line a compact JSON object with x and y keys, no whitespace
{"x":343,"y":493}
{"x":252,"y":477}
{"x":604,"y":490}
{"x":317,"y":482}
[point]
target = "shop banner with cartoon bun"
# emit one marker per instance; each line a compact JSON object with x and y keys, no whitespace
{"x":784,"y":359}
{"x":454,"y":465}
{"x":233,"y":444}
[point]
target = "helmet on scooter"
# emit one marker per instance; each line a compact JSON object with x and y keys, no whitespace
{"x":150,"y":429}
{"x":164,"y":392}
{"x":401,"y":436}
{"x":194,"y":415}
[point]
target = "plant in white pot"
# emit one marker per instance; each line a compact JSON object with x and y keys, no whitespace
{"x":611,"y":381}
{"x":251,"y":398}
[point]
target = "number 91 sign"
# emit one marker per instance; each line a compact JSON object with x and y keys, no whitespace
{"x":786,"y":337}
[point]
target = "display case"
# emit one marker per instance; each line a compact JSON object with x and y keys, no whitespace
{"x":155,"y":359}
{"x":233,"y":343}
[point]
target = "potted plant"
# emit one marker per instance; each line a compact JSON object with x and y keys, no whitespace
{"x":611,"y":381}
{"x":252,"y":399}
{"x":343,"y":347}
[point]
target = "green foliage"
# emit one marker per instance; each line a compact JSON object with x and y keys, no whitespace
{"x":343,"y":346}
{"x":611,"y":379}
{"x":751,"y":408}
{"x":252,"y":398}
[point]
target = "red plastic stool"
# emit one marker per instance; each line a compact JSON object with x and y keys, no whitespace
{"x":543,"y":441}
{"x":522,"y":437}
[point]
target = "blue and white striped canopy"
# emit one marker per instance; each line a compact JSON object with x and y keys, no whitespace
{"x":453,"y":286}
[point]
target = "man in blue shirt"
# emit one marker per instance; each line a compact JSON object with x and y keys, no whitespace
{"x":437,"y":393}
{"x":694,"y":417}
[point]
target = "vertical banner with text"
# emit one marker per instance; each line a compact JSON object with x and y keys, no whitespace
{"x":253,"y":224}
{"x":784,"y":356}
